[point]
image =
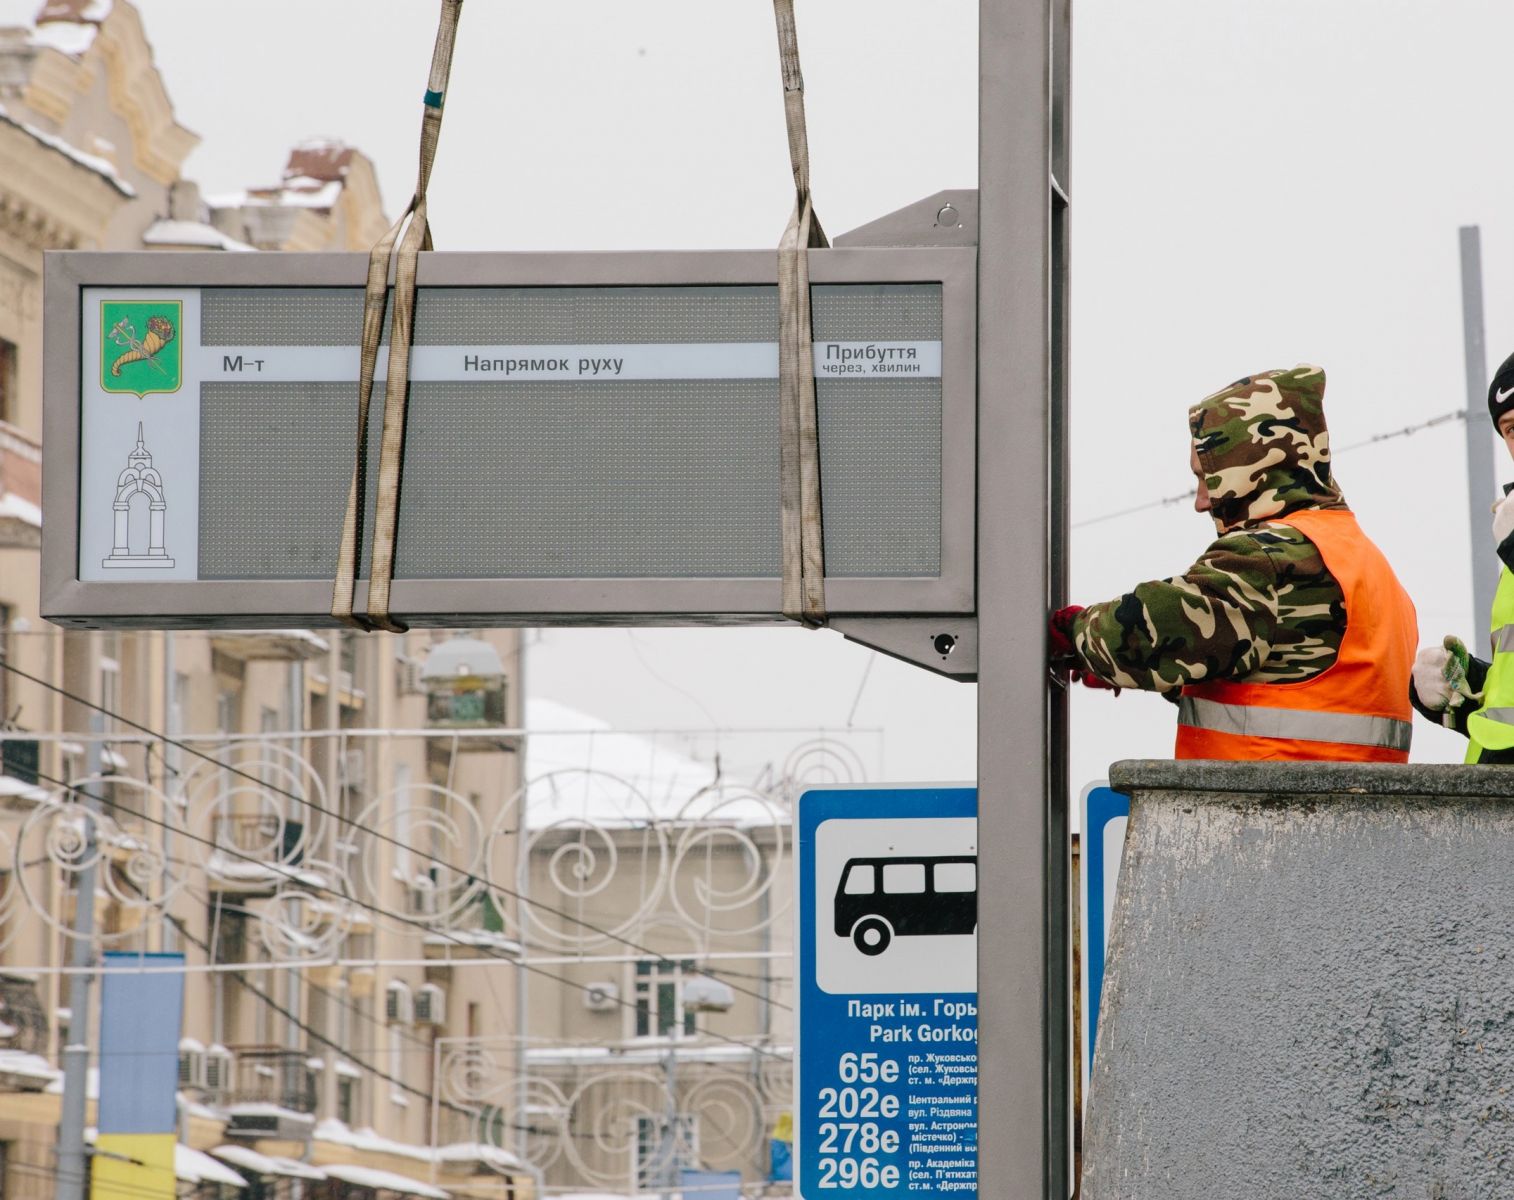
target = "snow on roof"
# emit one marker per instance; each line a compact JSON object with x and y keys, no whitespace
{"x":388,"y":1181}
{"x":267,"y":1164}
{"x":75,"y":10}
{"x":589,"y":757}
{"x":100,"y":166}
{"x":10,"y":786}
{"x":476,"y":1152}
{"x":652,"y":1050}
{"x":69,"y":26}
{"x":66,"y":37}
{"x":195,"y":1166}
{"x":574,"y":762}
{"x":17,"y":1062}
{"x":311,"y":193}
{"x":18,"y":508}
{"x":190,"y":233}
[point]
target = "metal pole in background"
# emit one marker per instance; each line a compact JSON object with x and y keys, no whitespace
{"x":1023,"y":1067}
{"x":72,"y":1152}
{"x":1482,"y":491}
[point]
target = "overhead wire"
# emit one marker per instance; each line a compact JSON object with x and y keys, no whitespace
{"x":1459,"y":414}
{"x":343,"y":819}
{"x":405,"y":919}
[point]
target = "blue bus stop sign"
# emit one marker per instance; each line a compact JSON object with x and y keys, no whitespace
{"x":886,"y":1044}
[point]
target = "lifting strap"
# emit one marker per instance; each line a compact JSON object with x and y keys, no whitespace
{"x":798,"y":426}
{"x":416,"y":237}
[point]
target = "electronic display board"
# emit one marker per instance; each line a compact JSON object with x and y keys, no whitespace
{"x":590,"y":436}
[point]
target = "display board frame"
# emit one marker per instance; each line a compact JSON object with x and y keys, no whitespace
{"x":70,"y":601}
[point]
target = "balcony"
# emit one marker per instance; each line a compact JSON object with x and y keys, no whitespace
{"x":20,"y":488}
{"x":271,"y":1077}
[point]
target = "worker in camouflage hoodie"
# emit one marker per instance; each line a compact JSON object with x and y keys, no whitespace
{"x":1245,"y":638}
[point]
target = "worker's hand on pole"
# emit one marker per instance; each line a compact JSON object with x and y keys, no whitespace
{"x":1061,"y":654}
{"x":1063,"y":657}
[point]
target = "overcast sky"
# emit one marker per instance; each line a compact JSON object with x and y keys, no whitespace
{"x":1254,"y":185}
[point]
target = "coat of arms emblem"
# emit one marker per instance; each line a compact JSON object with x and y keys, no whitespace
{"x":140,"y":351}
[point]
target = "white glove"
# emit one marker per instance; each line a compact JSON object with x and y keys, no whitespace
{"x":1503,"y":520}
{"x":1430,"y":683}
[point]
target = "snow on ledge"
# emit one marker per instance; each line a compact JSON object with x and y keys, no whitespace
{"x":191,"y":233}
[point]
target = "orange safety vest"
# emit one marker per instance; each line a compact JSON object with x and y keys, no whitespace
{"x":1357,"y":710}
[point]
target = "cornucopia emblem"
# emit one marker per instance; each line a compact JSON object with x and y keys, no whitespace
{"x":160,"y":332}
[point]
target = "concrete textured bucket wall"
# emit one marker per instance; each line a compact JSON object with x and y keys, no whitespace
{"x":1310,"y":986}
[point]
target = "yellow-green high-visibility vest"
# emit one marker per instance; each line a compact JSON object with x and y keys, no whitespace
{"x":1491,"y":727}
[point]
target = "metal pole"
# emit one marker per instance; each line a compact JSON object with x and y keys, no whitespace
{"x":1482,"y":490}
{"x":72,"y":1152}
{"x":1023,"y":1068}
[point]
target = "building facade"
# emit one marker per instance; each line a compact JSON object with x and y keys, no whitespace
{"x":247,"y":820}
{"x":433,"y":947}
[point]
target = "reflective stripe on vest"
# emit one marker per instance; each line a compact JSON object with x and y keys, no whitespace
{"x":1492,"y":727}
{"x":1305,"y":725}
{"x":1357,"y":709}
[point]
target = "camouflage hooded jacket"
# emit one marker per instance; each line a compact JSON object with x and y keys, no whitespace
{"x":1258,"y":605}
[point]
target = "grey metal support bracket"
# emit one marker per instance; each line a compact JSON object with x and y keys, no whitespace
{"x":948,"y":218}
{"x":948,"y":646}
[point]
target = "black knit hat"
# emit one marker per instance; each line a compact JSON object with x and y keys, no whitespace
{"x":1501,"y":390}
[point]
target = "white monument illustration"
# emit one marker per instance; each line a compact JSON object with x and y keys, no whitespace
{"x":140,"y":478}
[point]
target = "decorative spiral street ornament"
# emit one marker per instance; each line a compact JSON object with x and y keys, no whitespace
{"x":11,"y":897}
{"x":435,"y":842}
{"x":606,"y":1113}
{"x":469,"y":1074}
{"x":63,"y":838}
{"x":254,"y":803}
{"x":820,"y":762}
{"x":728,"y":853}
{"x":532,"y":1119}
{"x":731,"y":1125}
{"x":309,"y":915}
{"x":578,"y":825}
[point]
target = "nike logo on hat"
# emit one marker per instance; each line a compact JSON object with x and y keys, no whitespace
{"x":1500,"y":396}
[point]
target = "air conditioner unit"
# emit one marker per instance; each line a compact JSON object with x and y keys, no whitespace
{"x":354,"y":768}
{"x":430,"y":1005}
{"x":424,"y":900}
{"x":602,"y":997}
{"x":219,"y":1066}
{"x":191,"y":1064}
{"x":397,"y":1005}
{"x":407,"y":676}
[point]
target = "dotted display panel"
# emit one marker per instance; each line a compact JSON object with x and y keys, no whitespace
{"x":574,"y":479}
{"x":607,"y":315}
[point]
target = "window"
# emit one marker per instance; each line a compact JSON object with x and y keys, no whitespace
{"x":659,"y":997}
{"x":110,"y":679}
{"x":10,"y":401}
{"x":956,"y":877}
{"x":859,"y":880}
{"x":664,"y":1149}
{"x":903,"y":877}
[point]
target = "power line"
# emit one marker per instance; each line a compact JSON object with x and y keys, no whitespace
{"x":403,"y":919}
{"x":374,"y":833}
{"x":1459,"y":414}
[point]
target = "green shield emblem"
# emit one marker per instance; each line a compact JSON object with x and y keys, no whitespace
{"x":140,"y":349}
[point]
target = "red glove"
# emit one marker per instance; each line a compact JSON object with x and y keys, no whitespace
{"x":1090,"y":680}
{"x":1064,"y":656}
{"x":1060,"y":644}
